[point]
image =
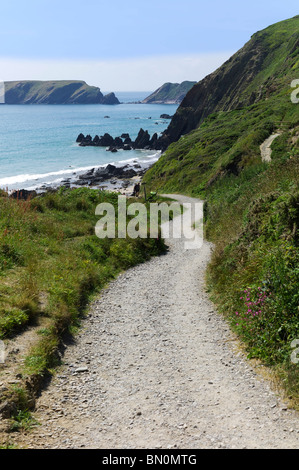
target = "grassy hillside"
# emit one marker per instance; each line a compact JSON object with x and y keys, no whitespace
{"x":55,"y":92}
{"x":251,"y":207}
{"x":51,"y":262}
{"x":170,"y":93}
{"x":224,"y":145}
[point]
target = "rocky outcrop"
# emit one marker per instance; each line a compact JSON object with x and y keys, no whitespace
{"x":124,"y":142}
{"x":80,"y":138}
{"x":55,"y":92}
{"x":94,"y":176}
{"x":109,"y":99}
{"x":143,"y":139}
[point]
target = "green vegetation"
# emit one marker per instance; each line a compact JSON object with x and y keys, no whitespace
{"x":226,"y":144}
{"x":254,"y":276}
{"x":22,"y":421}
{"x":251,"y":207}
{"x":51,"y":263}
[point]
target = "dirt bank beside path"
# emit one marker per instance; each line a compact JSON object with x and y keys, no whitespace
{"x":155,"y":366}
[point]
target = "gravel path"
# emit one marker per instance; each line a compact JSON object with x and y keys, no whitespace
{"x":155,"y":366}
{"x":265,"y":148}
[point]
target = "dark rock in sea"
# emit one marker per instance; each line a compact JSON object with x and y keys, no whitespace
{"x":118,"y":142}
{"x":112,"y":169}
{"x":129,"y":173}
{"x":166,"y":116}
{"x":142,"y":140}
{"x":153,"y":140}
{"x":106,"y":140}
{"x":84,"y":177}
{"x":110,"y":172}
{"x":86,"y":141}
{"x":128,"y":141}
{"x":160,"y":143}
{"x":106,"y":117}
{"x":121,"y":172}
{"x":110,"y":99}
{"x":80,"y":138}
{"x":127,"y":147}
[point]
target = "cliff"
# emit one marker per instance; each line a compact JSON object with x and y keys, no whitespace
{"x":169,"y":93}
{"x":55,"y":92}
{"x":254,"y":73}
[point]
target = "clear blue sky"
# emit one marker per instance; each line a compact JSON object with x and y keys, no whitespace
{"x":119,"y":30}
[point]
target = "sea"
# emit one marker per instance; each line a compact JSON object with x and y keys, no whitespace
{"x":38,"y":142}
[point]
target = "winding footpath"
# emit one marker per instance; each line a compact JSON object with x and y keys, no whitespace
{"x":265,"y":148}
{"x":155,"y":366}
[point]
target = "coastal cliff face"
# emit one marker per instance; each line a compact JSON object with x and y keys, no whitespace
{"x":252,"y":74}
{"x":169,"y":93}
{"x":223,"y":120}
{"x":55,"y":92}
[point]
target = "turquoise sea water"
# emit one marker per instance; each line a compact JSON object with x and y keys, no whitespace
{"x":38,"y":142}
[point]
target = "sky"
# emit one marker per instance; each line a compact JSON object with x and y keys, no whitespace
{"x":130,"y":45}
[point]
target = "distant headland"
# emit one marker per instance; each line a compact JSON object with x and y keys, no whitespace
{"x":55,"y":92}
{"x":169,"y":93}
